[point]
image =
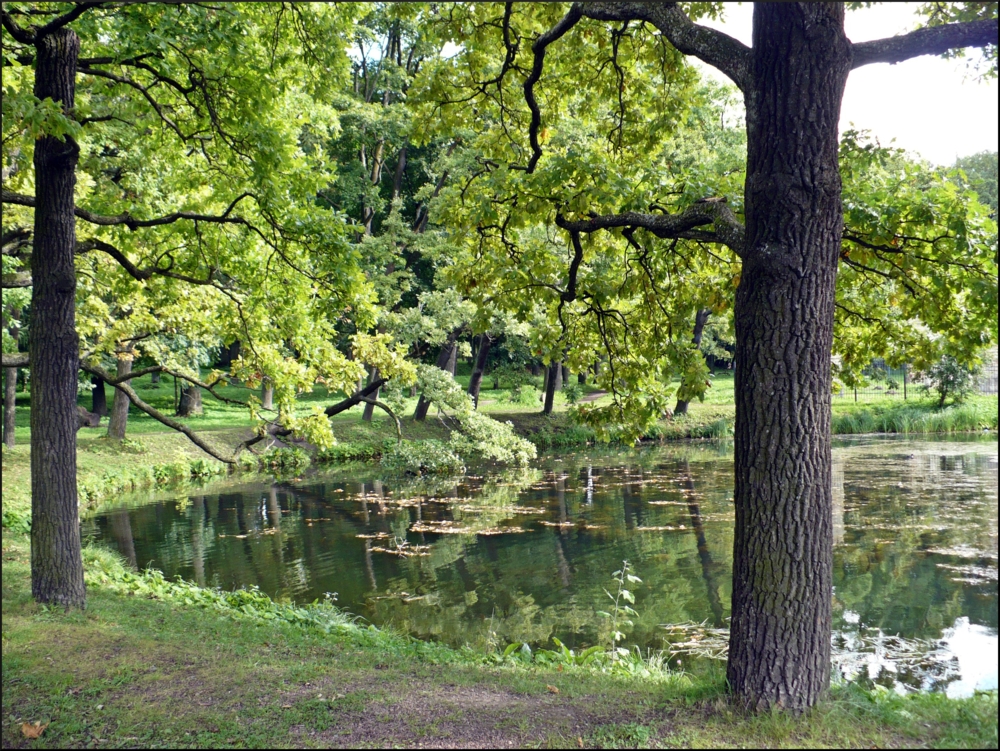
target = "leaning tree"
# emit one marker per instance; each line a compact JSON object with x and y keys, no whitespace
{"x":789,"y":244}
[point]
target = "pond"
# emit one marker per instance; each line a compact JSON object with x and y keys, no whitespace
{"x":495,"y":557}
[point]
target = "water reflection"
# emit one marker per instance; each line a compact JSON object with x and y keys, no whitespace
{"x":526,"y":556}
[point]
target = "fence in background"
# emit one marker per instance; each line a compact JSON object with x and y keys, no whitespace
{"x":883,"y":382}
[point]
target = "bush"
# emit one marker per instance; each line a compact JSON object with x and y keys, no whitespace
{"x":572,"y":393}
{"x":951,"y":378}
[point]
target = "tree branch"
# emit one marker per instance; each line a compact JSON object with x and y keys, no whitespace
{"x":538,"y":48}
{"x":21,"y":35}
{"x":107,"y":221}
{"x":930,"y":40}
{"x":388,"y":410}
{"x":728,"y":229}
{"x":15,"y":360}
{"x":152,"y":412}
{"x":719,"y":50}
{"x":357,"y":398}
{"x":58,"y":23}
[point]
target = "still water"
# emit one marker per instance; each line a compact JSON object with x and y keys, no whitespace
{"x":496,"y":557}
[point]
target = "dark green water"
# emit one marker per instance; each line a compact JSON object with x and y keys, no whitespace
{"x":498,"y":557}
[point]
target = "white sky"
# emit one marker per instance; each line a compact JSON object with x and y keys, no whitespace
{"x":928,"y":105}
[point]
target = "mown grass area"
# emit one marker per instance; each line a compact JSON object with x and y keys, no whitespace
{"x":151,"y":663}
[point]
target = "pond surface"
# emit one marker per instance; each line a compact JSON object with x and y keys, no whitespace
{"x":505,"y":556}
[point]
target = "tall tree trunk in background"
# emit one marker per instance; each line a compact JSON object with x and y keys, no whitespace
{"x":565,"y":376}
{"x":56,"y":563}
{"x":154,"y":379}
{"x":476,"y":381}
{"x":700,"y":319}
{"x":779,"y":648}
{"x":98,"y":397}
{"x":267,"y":394}
{"x":120,"y":403}
{"x":190,"y":403}
{"x":9,"y":398}
{"x":445,"y":360}
{"x":369,"y":412}
{"x":553,"y":382}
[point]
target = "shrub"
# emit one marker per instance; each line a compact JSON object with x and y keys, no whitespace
{"x":951,"y":378}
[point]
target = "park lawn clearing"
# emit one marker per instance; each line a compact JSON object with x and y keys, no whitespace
{"x":134,"y":671}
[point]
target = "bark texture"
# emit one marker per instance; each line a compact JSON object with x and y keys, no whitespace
{"x":369,"y":412}
{"x":553,"y":382}
{"x":9,"y":397}
{"x":476,"y":381}
{"x":56,"y":563}
{"x":190,"y":401}
{"x":700,"y":319}
{"x":120,"y":404}
{"x":779,"y":653}
{"x":267,"y":394}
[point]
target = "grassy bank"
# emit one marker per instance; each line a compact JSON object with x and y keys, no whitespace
{"x":153,"y":663}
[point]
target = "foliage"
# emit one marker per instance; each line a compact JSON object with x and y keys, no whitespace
{"x":620,"y":615}
{"x":422,"y":457}
{"x":950,"y":378}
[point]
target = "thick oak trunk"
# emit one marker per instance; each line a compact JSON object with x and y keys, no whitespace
{"x":779,"y":653}
{"x":476,"y":381}
{"x":700,"y":319}
{"x":56,"y":563}
{"x":9,"y":399}
{"x":120,"y":403}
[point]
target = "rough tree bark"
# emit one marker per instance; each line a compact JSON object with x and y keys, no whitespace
{"x":56,"y":563}
{"x":369,"y":412}
{"x":267,"y":394}
{"x":120,"y":403}
{"x":98,"y":397}
{"x":9,"y":397}
{"x":476,"y":381}
{"x":700,"y":319}
{"x":783,"y":550}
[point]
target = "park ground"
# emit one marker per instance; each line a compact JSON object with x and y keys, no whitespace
{"x":154,"y":663}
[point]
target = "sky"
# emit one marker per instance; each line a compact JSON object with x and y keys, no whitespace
{"x":927,"y":105}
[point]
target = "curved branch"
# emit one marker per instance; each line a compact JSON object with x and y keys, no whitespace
{"x":357,"y":398}
{"x":58,"y":23}
{"x":728,"y":229}
{"x":565,"y":24}
{"x":23,"y":36}
{"x":719,"y":50}
{"x":104,"y":220}
{"x":388,"y":410}
{"x":930,"y":40}
{"x":155,"y":413}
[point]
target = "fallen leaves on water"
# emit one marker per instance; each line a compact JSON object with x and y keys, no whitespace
{"x":33,"y":729}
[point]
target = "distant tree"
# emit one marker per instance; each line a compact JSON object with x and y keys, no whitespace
{"x":981,"y":170}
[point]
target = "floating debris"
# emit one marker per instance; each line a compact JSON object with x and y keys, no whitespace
{"x":563,"y":525}
{"x":665,"y":528}
{"x":441,"y":528}
{"x":405,"y":551}
{"x":492,"y":531}
{"x":376,"y":536}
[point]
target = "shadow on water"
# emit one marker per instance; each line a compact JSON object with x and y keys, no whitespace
{"x":494,"y":557}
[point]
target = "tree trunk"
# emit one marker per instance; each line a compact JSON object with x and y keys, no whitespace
{"x":9,"y":397}
{"x":445,"y":361}
{"x":190,"y":403}
{"x":120,"y":403}
{"x":369,"y":412}
{"x":56,"y":563}
{"x":553,"y":382}
{"x":779,"y":649}
{"x":476,"y":381}
{"x":565,"y":376}
{"x":581,"y":377}
{"x":154,"y":379}
{"x":98,"y":397}
{"x":700,"y":319}
{"x":267,"y":394}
